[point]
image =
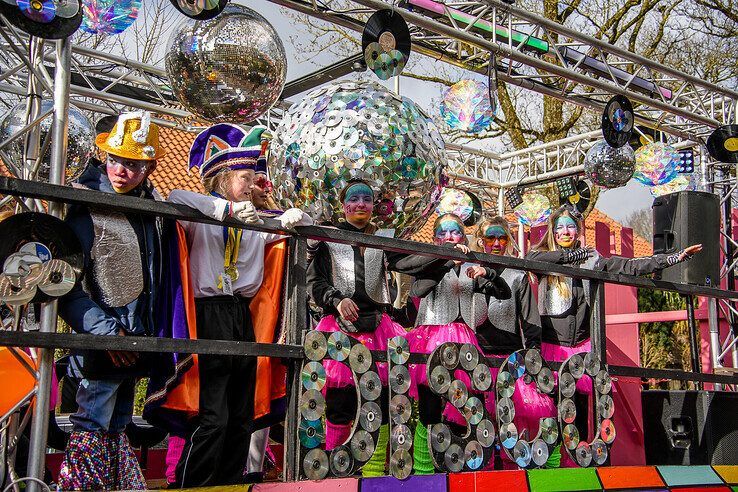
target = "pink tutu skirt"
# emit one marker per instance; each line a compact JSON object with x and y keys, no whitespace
{"x":559,"y":353}
{"x":425,"y":339}
{"x":338,"y":374}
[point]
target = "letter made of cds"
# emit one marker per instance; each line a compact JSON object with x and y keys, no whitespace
{"x":358,"y":130}
{"x":451,"y":452}
{"x":324,"y":350}
{"x":525,"y":378}
{"x":573,"y":370}
{"x":400,"y":408}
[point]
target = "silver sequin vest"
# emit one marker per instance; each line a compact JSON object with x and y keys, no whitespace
{"x":551,"y":302}
{"x":502,"y":313}
{"x":375,"y":272}
{"x":453,"y":297}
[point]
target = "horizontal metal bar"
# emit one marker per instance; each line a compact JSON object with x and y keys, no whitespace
{"x":33,"y":189}
{"x":647,"y":373}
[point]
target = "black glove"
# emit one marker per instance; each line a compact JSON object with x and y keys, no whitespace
{"x":577,"y":256}
{"x":673,"y":258}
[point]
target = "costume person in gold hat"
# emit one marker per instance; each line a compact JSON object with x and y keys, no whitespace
{"x":118,"y":296}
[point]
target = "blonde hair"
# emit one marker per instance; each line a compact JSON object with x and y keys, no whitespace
{"x":218,"y":183}
{"x":453,"y":217}
{"x":548,"y":243}
{"x":501,"y":222}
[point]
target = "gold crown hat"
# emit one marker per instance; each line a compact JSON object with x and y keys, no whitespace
{"x":133,"y":136}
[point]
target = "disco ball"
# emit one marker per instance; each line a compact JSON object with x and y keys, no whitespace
{"x":108,"y":16}
{"x":656,"y":163}
{"x":80,"y":139}
{"x":466,"y":107}
{"x":682,"y":182}
{"x":231,"y":68}
{"x":535,"y":209}
{"x":358,"y":130}
{"x":609,"y":167}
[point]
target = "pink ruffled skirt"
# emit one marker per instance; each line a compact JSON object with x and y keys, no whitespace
{"x":338,"y":374}
{"x":559,"y":353}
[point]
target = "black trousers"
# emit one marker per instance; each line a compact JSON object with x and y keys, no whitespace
{"x":215,"y":452}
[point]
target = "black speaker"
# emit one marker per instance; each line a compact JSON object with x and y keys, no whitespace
{"x":682,"y":219}
{"x":690,"y":427}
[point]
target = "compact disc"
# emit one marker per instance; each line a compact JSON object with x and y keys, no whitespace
{"x":473,"y":410}
{"x":191,"y":7}
{"x":312,"y":405}
{"x":315,"y":345}
{"x":370,"y":416}
{"x":516,"y":365}
{"x":539,"y":452}
{"x":400,"y":409}
{"x":607,"y":431}
{"x":439,"y":380}
{"x":458,"y":393}
{"x":449,"y":354}
{"x":341,"y":461}
{"x":505,"y":410}
{"x":583,"y":454}
{"x":473,"y":455}
{"x":14,"y":292}
{"x":468,"y":356}
{"x":486,"y":433}
{"x":599,"y":452}
{"x":453,"y":458}
{"x":440,"y":437}
{"x":398,"y":349}
{"x":567,"y":385}
{"x":570,"y":436}
{"x":313,"y":376}
{"x":57,"y":278}
{"x":576,"y":366}
{"x":605,"y":406}
{"x":200,"y":9}
{"x":545,"y":380}
{"x":549,"y":430}
{"x":360,"y":359}
{"x":505,"y":384}
{"x":603,"y":382}
{"x":339,"y":346}
{"x":370,"y":386}
{"x":591,"y":364}
{"x":401,"y":464}
{"x":508,"y":435}
{"x":617,"y":121}
{"x":481,"y":377}
{"x":311,"y":433}
{"x":533,"y":361}
{"x":362,"y":445}
{"x":399,"y":379}
{"x":567,"y":410}
{"x":722,"y":144}
{"x":521,"y":454}
{"x":315,"y":464}
{"x":42,"y":11}
{"x":401,"y":438}
{"x":386,"y":37}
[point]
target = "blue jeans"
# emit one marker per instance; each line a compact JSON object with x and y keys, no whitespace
{"x":104,"y":405}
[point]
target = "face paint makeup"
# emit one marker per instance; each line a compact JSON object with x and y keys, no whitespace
{"x":566,"y":232}
{"x":495,"y":240}
{"x":125,"y":174}
{"x":449,"y":231}
{"x":358,"y":204}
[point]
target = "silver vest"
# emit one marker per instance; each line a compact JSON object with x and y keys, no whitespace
{"x":453,"y":296}
{"x":502,"y":313}
{"x":551,"y":302}
{"x":375,"y":272}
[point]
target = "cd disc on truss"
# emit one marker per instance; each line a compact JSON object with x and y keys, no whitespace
{"x":617,"y":121}
{"x":48,"y":19}
{"x":57,"y":278}
{"x":385,"y":43}
{"x":200,"y":9}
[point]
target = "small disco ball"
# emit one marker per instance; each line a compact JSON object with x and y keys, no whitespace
{"x":80,"y":139}
{"x":358,"y":130}
{"x":656,"y":164}
{"x":534,"y":210}
{"x":231,"y":68}
{"x":466,"y":107}
{"x":108,"y":16}
{"x":609,"y":167}
{"x":683,"y":182}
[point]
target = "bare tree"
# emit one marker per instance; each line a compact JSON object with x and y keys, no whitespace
{"x":641,"y":221}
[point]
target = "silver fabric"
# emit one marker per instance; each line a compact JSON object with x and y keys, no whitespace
{"x":473,"y":305}
{"x":551,"y":302}
{"x":115,"y":261}
{"x":502,"y":313}
{"x":375,"y":276}
{"x":342,"y":268}
{"x":452,"y":298}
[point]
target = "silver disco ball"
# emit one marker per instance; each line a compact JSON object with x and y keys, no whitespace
{"x":609,"y":167}
{"x":228,"y":69}
{"x":80,"y":140}
{"x":359,"y":130}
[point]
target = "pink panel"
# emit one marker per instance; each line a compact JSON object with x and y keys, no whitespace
{"x":329,"y":485}
{"x":602,"y":239}
{"x":536,"y":234}
{"x":626,"y":242}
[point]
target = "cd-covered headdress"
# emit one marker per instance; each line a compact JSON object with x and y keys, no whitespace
{"x":225,"y":147}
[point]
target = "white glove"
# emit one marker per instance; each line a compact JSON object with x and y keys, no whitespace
{"x":293,"y":217}
{"x":245,"y":212}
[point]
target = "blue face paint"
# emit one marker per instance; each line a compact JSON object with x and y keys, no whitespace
{"x":566,"y":231}
{"x":356,"y":190}
{"x":449,"y":231}
{"x":495,"y":231}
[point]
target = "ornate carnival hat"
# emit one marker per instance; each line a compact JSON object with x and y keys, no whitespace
{"x":133,"y":137}
{"x":226,"y":147}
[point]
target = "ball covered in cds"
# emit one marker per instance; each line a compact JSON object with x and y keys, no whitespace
{"x":608,"y":166}
{"x":656,"y":164}
{"x":466,"y":107}
{"x":231,"y":68}
{"x":80,"y":139}
{"x":358,"y":130}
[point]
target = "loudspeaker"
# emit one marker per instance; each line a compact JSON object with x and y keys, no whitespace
{"x":682,"y":219}
{"x":690,"y":427}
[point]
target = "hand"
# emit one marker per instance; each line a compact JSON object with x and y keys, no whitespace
{"x":122,"y":358}
{"x":348,"y":310}
{"x":293,"y":217}
{"x":464,"y":249}
{"x":579,"y":255}
{"x":245,"y":212}
{"x":476,"y":271}
{"x":689,"y":251}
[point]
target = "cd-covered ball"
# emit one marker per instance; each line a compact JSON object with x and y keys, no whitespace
{"x":358,"y":130}
{"x":656,"y":164}
{"x":608,"y":166}
{"x":231,"y":68}
{"x":80,"y":139}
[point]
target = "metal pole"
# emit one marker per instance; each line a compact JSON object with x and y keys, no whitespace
{"x":39,"y":426}
{"x":712,"y":317}
{"x":521,"y":238}
{"x":597,"y":327}
{"x":723,"y":173}
{"x":694,"y":339}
